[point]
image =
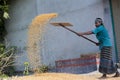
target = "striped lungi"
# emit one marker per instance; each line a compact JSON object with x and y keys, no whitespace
{"x":106,"y":63}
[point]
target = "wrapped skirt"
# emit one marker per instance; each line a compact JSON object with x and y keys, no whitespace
{"x":106,"y":63}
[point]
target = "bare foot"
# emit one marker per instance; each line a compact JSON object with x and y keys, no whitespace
{"x":103,"y":77}
{"x":117,"y":74}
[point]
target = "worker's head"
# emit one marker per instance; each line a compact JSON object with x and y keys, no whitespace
{"x":98,"y":22}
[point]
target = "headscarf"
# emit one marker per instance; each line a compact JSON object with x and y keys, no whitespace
{"x":98,"y":20}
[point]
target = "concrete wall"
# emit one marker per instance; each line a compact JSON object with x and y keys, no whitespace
{"x":62,"y":44}
{"x":58,"y":43}
{"x":108,"y":24}
{"x":21,"y":14}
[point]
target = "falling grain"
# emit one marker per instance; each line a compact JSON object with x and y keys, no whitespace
{"x":35,"y":34}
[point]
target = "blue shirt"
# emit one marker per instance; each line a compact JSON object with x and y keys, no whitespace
{"x":102,"y":36}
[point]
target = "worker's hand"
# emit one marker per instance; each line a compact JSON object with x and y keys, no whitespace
{"x":97,"y":44}
{"x":86,"y":33}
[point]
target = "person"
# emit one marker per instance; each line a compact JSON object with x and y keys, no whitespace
{"x":106,"y":63}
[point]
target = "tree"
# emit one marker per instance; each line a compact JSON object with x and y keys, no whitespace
{"x":3,"y":15}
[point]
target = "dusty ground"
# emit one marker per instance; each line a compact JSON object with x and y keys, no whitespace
{"x":64,"y":76}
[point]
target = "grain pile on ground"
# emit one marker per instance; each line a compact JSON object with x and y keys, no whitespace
{"x":64,"y":76}
{"x":35,"y":33}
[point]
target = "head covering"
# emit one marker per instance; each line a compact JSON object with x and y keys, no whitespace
{"x":98,"y":20}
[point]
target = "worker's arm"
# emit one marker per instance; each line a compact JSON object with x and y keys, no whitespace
{"x":86,"y":33}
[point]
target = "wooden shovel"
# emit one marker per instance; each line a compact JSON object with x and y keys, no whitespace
{"x":68,"y":24}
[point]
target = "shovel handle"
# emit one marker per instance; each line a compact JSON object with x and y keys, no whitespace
{"x":78,"y":34}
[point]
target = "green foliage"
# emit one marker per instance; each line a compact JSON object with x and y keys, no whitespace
{"x":4,"y":7}
{"x":26,"y":70}
{"x":43,"y":69}
{"x":6,"y":53}
{"x":3,"y":76}
{"x":10,"y":70}
{"x":7,"y":59}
